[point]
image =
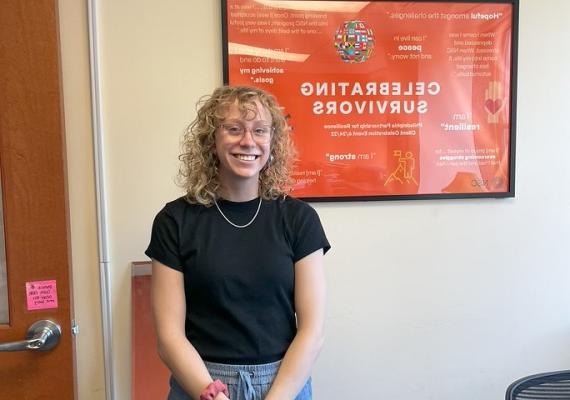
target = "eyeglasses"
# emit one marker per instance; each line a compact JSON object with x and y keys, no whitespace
{"x":261,"y":134}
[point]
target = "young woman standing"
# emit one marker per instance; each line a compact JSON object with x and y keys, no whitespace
{"x":238,"y":286}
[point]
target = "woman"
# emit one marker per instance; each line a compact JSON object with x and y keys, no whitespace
{"x":238,"y":288}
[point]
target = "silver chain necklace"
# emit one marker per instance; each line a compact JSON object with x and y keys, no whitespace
{"x":235,"y":225}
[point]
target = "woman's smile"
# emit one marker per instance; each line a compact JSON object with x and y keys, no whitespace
{"x":246,"y":157}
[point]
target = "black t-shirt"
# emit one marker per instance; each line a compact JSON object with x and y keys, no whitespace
{"x":239,"y":283}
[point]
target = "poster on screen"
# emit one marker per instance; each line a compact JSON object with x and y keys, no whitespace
{"x":386,"y":99}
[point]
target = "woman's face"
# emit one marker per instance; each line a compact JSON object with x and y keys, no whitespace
{"x":243,"y":143}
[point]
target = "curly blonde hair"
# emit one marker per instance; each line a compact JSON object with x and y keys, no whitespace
{"x":198,"y":173}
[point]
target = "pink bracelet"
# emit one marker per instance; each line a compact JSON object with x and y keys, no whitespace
{"x":212,"y":390}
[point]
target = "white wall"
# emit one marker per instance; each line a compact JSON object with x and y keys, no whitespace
{"x":427,"y":299}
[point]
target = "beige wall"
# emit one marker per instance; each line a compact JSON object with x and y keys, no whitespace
{"x":81,"y":186}
{"x":156,"y":59}
{"x":427,"y":299}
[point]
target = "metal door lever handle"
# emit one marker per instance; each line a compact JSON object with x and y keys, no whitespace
{"x":42,"y":335}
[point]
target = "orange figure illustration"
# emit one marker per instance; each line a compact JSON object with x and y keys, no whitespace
{"x":405,"y":169}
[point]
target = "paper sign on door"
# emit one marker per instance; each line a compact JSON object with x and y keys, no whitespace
{"x":41,"y":295}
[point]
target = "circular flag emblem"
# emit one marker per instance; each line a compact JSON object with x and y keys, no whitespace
{"x":354,"y":41}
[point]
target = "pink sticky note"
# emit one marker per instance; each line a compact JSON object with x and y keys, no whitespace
{"x":41,"y":295}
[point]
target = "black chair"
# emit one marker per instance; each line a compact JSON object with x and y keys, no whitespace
{"x":546,"y":386}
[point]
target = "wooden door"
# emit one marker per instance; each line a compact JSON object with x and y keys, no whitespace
{"x":32,"y":167}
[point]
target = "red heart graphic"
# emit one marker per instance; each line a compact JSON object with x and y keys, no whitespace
{"x":493,"y":105}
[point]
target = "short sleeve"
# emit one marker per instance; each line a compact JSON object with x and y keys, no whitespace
{"x":164,"y":240}
{"x":309,"y":235}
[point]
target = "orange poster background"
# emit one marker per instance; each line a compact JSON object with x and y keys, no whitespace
{"x":364,"y":143}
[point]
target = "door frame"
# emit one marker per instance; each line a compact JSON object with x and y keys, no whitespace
{"x":76,"y":72}
{"x":101,"y":200}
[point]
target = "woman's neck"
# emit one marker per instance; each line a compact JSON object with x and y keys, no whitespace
{"x":239,"y":191}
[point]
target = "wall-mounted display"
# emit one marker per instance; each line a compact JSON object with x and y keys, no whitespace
{"x":386,"y":99}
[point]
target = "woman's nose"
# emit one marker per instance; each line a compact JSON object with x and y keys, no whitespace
{"x":247,"y":138}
